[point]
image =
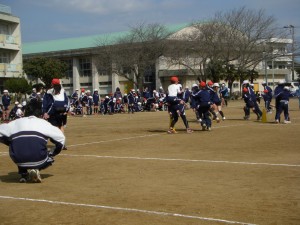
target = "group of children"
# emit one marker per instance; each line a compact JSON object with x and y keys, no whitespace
{"x":205,"y":100}
{"x":87,"y":103}
{"x":281,"y":95}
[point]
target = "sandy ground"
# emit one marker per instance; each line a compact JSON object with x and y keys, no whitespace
{"x":125,"y":169}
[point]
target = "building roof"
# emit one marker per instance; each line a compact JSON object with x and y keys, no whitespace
{"x":80,"y":42}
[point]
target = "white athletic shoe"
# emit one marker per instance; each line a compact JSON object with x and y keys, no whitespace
{"x":224,"y":118}
{"x":286,"y":121}
{"x":34,"y":176}
{"x":276,"y":121}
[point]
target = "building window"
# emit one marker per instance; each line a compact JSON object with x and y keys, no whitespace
{"x":149,"y":76}
{"x":85,"y":66}
{"x":69,"y":72}
{"x":235,"y":85}
{"x":4,"y":57}
{"x":102,"y":71}
{"x":105,"y":83}
{"x":85,"y":84}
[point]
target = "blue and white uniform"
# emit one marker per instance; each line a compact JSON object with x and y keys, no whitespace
{"x":27,"y":140}
{"x":56,"y":106}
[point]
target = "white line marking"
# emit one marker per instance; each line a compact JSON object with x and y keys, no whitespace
{"x":142,"y":136}
{"x":184,"y":160}
{"x":120,"y":139}
{"x":126,"y":209}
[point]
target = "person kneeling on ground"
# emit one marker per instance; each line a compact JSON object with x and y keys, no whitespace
{"x":27,"y":140}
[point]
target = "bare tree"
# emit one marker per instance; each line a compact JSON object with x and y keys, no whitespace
{"x":134,"y":54}
{"x":237,"y":37}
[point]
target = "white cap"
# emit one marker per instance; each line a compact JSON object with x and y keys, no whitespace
{"x":106,"y":96}
{"x":264,"y":82}
{"x":286,"y":88}
{"x":246,"y":82}
{"x":90,"y":97}
{"x":96,"y":90}
{"x":33,"y":89}
{"x":195,"y":85}
{"x":216,"y":85}
{"x":281,"y":81}
{"x":5,"y":91}
{"x":252,"y":85}
{"x":20,"y":106}
{"x":16,"y":103}
{"x":88,"y":91}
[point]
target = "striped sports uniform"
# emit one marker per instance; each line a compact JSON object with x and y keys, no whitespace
{"x":27,"y":140}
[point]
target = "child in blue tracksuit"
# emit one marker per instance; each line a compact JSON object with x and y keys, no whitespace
{"x":89,"y":105}
{"x":5,"y":103}
{"x":131,"y":100}
{"x":277,"y":91}
{"x":249,"y":103}
{"x":267,"y":96}
{"x":96,"y":99}
{"x":283,"y":98}
{"x":203,"y":106}
{"x":252,"y":97}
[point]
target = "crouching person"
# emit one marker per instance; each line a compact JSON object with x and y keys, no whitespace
{"x":27,"y":139}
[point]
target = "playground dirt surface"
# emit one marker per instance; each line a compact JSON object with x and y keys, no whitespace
{"x":125,"y":169}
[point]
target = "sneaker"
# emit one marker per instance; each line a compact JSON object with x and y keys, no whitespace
{"x":246,"y":117}
{"x":276,"y":121}
{"x":218,"y":120}
{"x":23,"y":180}
{"x":64,"y":148}
{"x":172,"y":131}
{"x":34,"y":176}
{"x":286,"y":121}
{"x":223,"y":118}
{"x":208,"y":128}
{"x":204,"y":126}
{"x":199,"y":120}
{"x":258,"y":117}
{"x":189,"y":131}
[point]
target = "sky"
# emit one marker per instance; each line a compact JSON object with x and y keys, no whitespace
{"x":43,"y":20}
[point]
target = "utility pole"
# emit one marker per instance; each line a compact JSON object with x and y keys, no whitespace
{"x":292,"y":30}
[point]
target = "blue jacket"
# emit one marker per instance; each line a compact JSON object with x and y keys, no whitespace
{"x":6,"y":100}
{"x":96,"y":98}
{"x":268,"y":96}
{"x":284,"y":95}
{"x":27,"y":139}
{"x":203,"y":98}
{"x":52,"y":105}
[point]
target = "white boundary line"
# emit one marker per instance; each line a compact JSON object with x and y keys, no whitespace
{"x":184,"y":160}
{"x":126,"y":209}
{"x":142,"y":136}
{"x":119,"y":139}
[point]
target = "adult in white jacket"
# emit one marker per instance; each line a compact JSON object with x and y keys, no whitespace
{"x":27,"y":140}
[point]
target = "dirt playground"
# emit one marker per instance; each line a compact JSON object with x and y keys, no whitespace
{"x":125,"y":169}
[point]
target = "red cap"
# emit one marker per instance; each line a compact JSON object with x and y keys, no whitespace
{"x":55,"y":81}
{"x":202,"y":84}
{"x":174,"y":79}
{"x":266,"y":91}
{"x":82,"y":90}
{"x":245,"y":89}
{"x":210,"y":83}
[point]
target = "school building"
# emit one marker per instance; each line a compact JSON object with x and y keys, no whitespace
{"x":10,"y":46}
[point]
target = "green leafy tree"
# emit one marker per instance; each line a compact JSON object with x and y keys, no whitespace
{"x":19,"y":86}
{"x":45,"y":69}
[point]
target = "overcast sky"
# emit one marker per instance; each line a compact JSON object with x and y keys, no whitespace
{"x":55,"y":19}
